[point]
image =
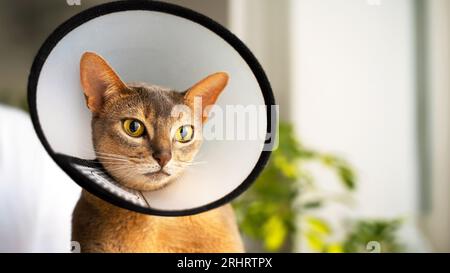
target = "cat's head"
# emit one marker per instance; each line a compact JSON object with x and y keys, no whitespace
{"x":141,"y":135}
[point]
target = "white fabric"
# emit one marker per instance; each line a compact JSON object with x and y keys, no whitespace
{"x":36,"y":196}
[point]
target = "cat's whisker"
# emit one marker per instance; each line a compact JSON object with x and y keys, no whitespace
{"x":108,"y":165}
{"x":191,"y":161}
{"x":114,"y":163}
{"x":102,"y":156}
{"x":111,"y":156}
{"x":189,"y":165}
{"x":118,"y":167}
{"x":103,"y":153}
{"x":198,"y":163}
{"x":128,"y":158}
{"x":98,"y":153}
{"x":117,"y":155}
{"x":185,"y":163}
{"x":112,"y":159}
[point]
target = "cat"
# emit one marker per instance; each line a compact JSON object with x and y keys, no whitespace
{"x":143,"y":146}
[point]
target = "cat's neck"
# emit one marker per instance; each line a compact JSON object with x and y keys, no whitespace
{"x":106,"y":208}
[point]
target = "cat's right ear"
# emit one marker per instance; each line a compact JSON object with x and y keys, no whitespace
{"x":98,"y":80}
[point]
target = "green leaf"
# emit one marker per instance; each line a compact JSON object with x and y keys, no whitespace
{"x":268,"y":211}
{"x":312,"y":204}
{"x":318,"y":226}
{"x":334,"y":248}
{"x":315,"y":241}
{"x":342,"y":168}
{"x":381,"y":231}
{"x":275,"y":233}
{"x":347,"y":177}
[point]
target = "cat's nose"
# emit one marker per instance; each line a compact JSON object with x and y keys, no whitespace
{"x":162,"y":157}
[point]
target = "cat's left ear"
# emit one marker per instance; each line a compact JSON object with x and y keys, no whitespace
{"x":208,"y":90}
{"x":98,"y":80}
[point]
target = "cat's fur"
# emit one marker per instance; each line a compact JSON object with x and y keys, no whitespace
{"x":137,"y":163}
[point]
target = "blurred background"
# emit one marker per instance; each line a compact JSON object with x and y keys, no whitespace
{"x":364,"y":94}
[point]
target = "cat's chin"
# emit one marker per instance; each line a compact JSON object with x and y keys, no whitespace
{"x":149,"y":181}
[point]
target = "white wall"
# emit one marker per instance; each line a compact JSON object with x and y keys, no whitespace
{"x":437,"y":220}
{"x":354,"y":94}
{"x":264,"y":26}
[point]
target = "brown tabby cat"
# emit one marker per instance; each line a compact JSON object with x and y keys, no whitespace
{"x":144,"y":146}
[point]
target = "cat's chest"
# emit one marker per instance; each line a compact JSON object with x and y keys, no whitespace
{"x":180,"y":234}
{"x":100,"y":227}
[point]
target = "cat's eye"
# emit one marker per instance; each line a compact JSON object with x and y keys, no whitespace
{"x":184,"y":134}
{"x":133,"y":127}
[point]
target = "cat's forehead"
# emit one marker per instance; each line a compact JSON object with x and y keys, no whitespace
{"x":153,"y":100}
